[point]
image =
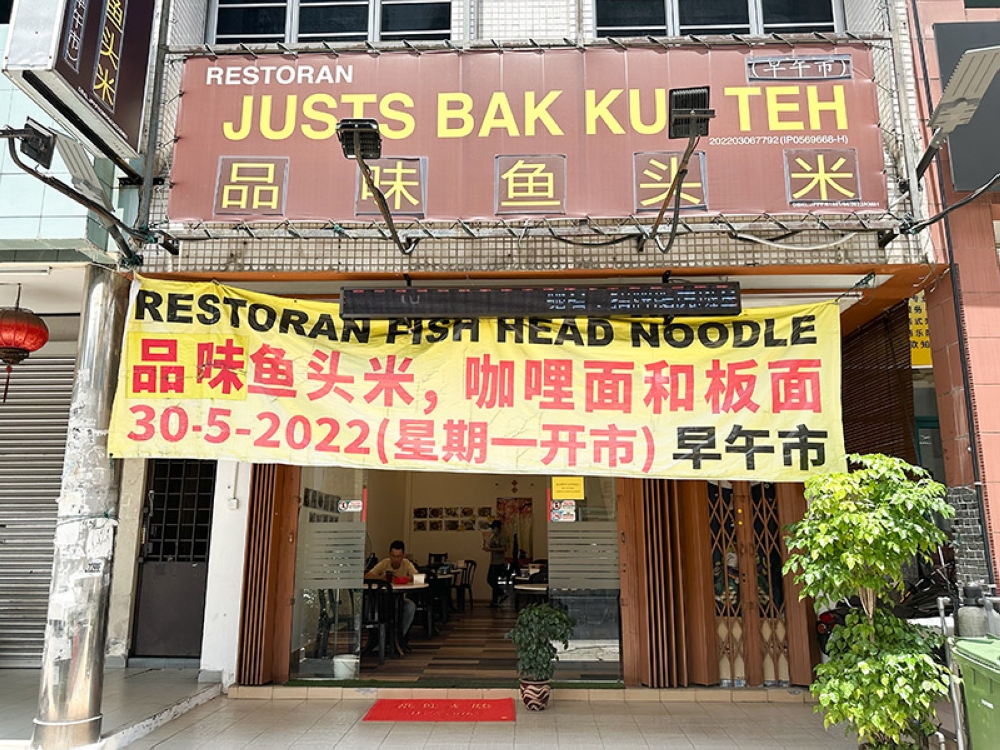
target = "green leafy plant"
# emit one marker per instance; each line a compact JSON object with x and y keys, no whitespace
{"x":861,"y":527}
{"x":537,"y":626}
{"x":881,"y":679}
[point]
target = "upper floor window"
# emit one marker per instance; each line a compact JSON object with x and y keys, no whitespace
{"x":270,"y":21}
{"x":623,"y":18}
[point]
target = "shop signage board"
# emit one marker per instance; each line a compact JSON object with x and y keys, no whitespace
{"x":85,"y":62}
{"x":559,"y":133}
{"x":213,"y":372}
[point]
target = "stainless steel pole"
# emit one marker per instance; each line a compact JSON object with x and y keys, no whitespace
{"x":69,"y":700}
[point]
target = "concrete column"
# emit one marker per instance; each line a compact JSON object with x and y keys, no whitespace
{"x":69,"y":701}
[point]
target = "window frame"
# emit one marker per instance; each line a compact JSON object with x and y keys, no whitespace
{"x":292,"y":17}
{"x":755,"y":18}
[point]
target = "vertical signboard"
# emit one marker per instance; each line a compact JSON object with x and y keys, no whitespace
{"x":85,"y":63}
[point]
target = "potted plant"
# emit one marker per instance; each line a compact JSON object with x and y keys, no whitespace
{"x":537,"y":626}
{"x":861,"y":527}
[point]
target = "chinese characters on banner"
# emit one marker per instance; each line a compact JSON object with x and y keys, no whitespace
{"x":213,"y":372}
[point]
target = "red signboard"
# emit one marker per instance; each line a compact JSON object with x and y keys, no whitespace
{"x":562,"y":133}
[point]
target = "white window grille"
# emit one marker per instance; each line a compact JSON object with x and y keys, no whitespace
{"x":291,"y":21}
{"x":629,"y":18}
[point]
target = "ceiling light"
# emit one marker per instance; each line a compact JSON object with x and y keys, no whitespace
{"x":16,"y":270}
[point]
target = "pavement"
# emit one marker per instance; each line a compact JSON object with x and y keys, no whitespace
{"x":169,"y":709}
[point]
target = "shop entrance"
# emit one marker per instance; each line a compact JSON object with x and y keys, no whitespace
{"x":672,"y":583}
{"x":345,"y":626}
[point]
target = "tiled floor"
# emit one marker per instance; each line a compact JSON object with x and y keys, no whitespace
{"x":130,"y":697}
{"x":226,"y":724}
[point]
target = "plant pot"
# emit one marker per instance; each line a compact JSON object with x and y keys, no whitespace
{"x":535,"y":694}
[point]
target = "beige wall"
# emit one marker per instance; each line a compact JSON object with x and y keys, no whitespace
{"x":393,"y":495}
{"x":386,"y":510}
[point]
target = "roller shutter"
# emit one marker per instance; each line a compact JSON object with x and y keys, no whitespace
{"x":878,"y":387}
{"x":32,"y":447}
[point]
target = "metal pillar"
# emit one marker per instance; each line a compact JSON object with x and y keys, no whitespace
{"x":69,"y":700}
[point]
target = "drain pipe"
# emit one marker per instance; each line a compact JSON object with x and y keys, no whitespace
{"x":72,"y":679}
{"x":956,"y":700}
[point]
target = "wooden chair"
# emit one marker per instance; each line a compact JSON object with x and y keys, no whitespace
{"x":377,"y":615}
{"x":465,"y":583}
{"x":434,"y":559}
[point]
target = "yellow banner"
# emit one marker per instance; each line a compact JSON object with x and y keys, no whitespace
{"x":213,"y":372}
{"x":920,"y":337}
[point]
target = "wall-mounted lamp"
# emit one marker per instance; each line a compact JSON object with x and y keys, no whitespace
{"x":360,"y":139}
{"x":689,"y":114}
{"x":965,"y":90}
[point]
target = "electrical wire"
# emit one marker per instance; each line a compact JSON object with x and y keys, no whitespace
{"x":675,"y":218}
{"x":914,"y":228}
{"x":602,"y":243}
{"x":782,"y":246}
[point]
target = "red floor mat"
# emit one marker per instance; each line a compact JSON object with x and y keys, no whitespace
{"x":454,"y":709}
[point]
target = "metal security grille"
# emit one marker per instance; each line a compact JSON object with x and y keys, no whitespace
{"x":771,"y":629}
{"x":32,"y":444}
{"x":583,"y":556}
{"x":729,"y":625}
{"x":178,"y":510}
{"x":750,"y":621}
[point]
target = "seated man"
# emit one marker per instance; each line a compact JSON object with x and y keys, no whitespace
{"x":397,"y":566}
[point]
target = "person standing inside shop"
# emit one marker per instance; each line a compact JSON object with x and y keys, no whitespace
{"x":496,"y":545}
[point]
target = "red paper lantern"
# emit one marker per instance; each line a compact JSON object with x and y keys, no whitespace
{"x":21,"y":333}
